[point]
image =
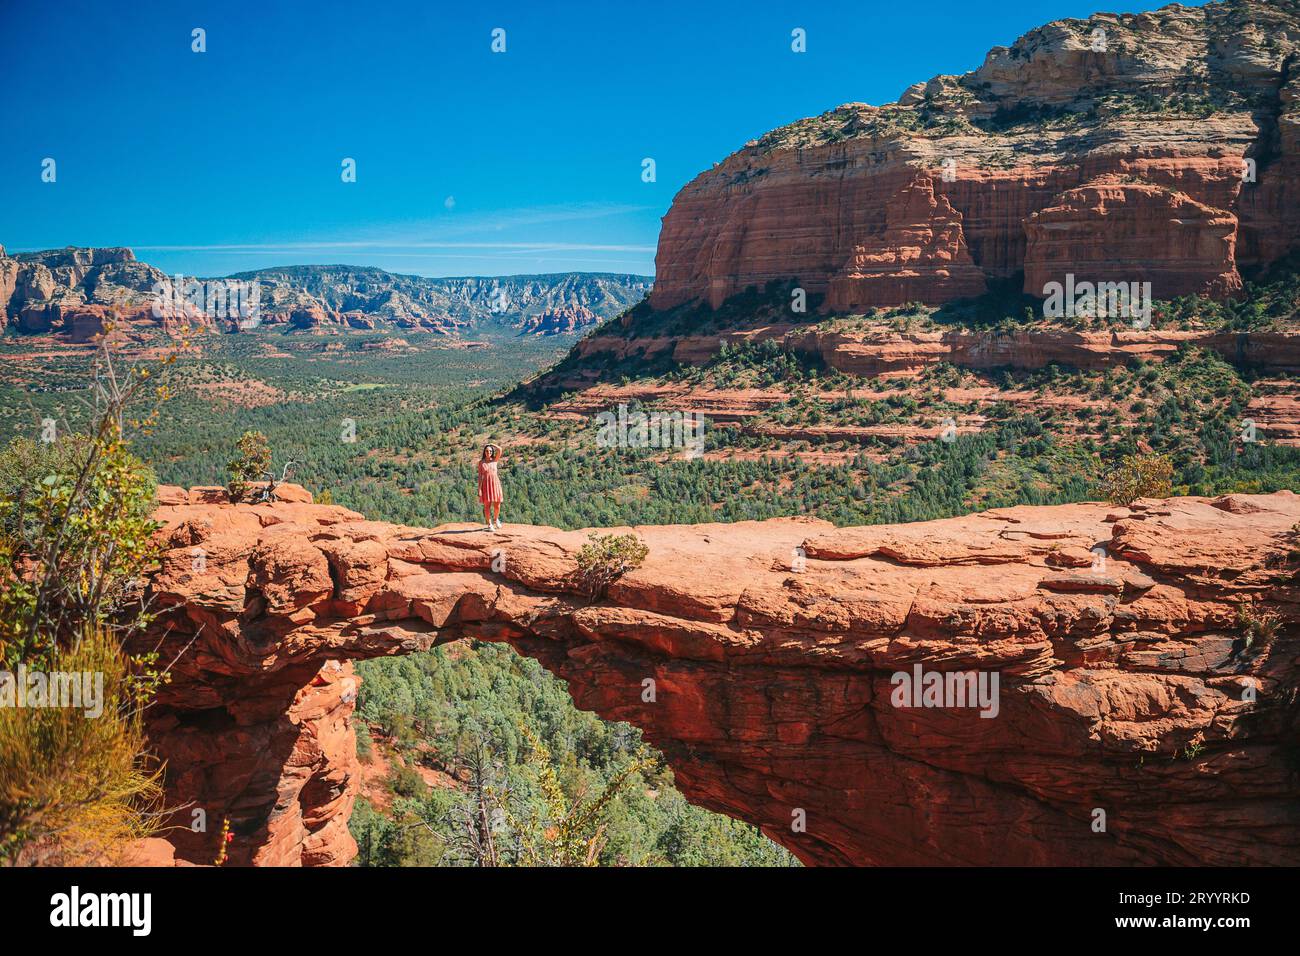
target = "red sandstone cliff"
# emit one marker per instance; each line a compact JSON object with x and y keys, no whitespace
{"x":1124,"y":682}
{"x":1160,"y":147}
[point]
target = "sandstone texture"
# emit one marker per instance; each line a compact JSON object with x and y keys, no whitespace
{"x":1126,"y":683}
{"x":1159,"y":147}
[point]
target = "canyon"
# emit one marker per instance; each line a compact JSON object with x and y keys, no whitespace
{"x":1137,"y":723}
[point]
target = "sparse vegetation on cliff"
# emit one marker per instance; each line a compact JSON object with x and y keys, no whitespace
{"x":76,"y":539}
{"x":1258,"y":627}
{"x":251,"y":462}
{"x":606,"y":558}
{"x":1140,"y":476}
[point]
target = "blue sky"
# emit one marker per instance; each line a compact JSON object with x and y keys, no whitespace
{"x":468,"y":162}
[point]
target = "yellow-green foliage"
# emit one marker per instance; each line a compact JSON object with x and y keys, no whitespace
{"x":607,"y":557}
{"x":1140,"y":476}
{"x":73,"y":787}
{"x":76,"y":536}
{"x":567,"y":831}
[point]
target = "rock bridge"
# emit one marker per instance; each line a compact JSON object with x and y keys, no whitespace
{"x":1133,"y":725}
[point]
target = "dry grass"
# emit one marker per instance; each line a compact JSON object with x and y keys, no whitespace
{"x":75,"y":789}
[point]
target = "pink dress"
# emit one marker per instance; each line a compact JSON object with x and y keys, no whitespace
{"x":489,"y":485}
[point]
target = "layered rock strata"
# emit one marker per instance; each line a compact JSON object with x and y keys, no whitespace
{"x":1159,"y":147}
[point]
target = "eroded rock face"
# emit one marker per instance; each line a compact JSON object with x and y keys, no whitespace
{"x":1122,"y":148}
{"x":75,"y":291}
{"x":921,"y":253}
{"x":1138,"y":231}
{"x":558,"y":321}
{"x":1123,"y":681}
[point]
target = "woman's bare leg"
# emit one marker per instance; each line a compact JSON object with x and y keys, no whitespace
{"x":496,"y":512}
{"x":487,"y":513}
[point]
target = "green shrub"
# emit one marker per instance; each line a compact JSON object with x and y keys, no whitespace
{"x":606,"y":558}
{"x":76,"y":541}
{"x":1140,"y":476}
{"x":76,"y":537}
{"x":252,"y":461}
{"x":1258,"y":628}
{"x":405,"y":781}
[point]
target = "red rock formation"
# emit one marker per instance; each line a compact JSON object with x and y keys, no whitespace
{"x":1172,"y":151}
{"x":309,"y":317}
{"x":75,"y":291}
{"x":883,"y":351}
{"x":920,"y":254}
{"x":82,"y":322}
{"x":558,"y":321}
{"x":1277,"y":416}
{"x":1114,"y":634}
{"x":1269,"y":200}
{"x":1115,"y":231}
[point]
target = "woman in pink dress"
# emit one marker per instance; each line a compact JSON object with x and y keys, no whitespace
{"x":489,"y":486}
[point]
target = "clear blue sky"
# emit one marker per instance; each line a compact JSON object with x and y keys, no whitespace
{"x":228,"y":160}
